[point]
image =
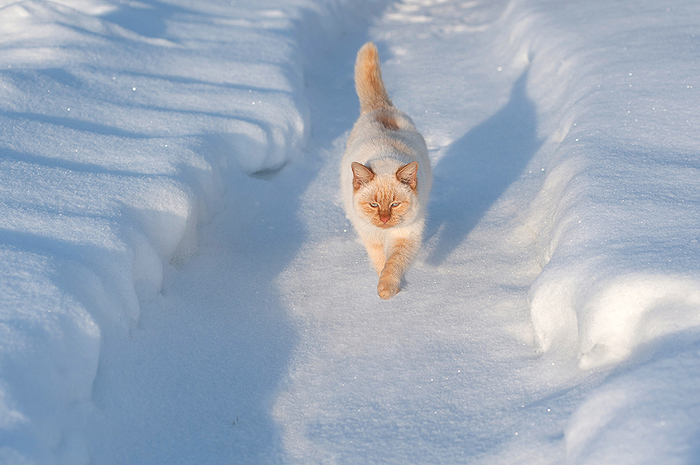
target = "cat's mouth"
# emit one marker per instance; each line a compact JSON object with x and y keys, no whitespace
{"x":387,"y":225}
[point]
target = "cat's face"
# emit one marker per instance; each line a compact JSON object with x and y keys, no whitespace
{"x":385,"y":201}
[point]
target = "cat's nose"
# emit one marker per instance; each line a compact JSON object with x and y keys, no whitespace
{"x":384,"y":218}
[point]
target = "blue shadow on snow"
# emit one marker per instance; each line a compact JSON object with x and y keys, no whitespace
{"x":147,"y":18}
{"x":478,"y":168}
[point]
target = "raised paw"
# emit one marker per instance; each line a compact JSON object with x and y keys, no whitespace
{"x":387,"y":288}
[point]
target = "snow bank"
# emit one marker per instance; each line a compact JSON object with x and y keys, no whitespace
{"x":617,"y":213}
{"x":615,"y":222}
{"x":117,"y":123}
{"x":50,"y":347}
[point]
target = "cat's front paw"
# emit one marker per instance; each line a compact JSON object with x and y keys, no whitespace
{"x":387,"y":288}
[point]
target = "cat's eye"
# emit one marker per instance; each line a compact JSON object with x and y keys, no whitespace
{"x":373,"y":205}
{"x":395,"y":204}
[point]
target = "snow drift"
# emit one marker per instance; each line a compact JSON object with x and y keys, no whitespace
{"x":619,"y":202}
{"x":117,"y":121}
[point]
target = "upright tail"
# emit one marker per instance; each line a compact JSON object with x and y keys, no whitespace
{"x":368,"y":80}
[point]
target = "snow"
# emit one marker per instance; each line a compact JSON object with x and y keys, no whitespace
{"x":179,"y":283}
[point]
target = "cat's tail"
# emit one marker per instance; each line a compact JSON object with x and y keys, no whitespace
{"x":368,"y":80}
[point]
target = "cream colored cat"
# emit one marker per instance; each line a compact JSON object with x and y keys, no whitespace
{"x":385,"y":177}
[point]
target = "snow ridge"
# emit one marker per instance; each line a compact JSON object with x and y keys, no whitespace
{"x":604,"y":204}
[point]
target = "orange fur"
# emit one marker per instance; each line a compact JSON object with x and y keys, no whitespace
{"x":387,"y":120}
{"x":368,"y":80}
{"x":385,"y":202}
{"x":399,"y":258}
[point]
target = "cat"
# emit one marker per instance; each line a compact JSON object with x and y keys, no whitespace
{"x":385,"y":177}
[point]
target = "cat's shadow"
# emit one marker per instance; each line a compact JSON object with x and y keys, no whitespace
{"x":477,"y":169}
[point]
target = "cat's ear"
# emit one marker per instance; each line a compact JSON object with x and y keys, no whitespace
{"x":361,"y":175}
{"x":408,"y":175}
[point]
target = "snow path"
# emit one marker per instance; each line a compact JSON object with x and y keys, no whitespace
{"x":447,"y":370}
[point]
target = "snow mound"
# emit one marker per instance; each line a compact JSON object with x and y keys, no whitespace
{"x":118,"y":122}
{"x":619,"y":246}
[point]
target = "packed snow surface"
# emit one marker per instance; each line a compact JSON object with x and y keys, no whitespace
{"x":178,"y":282}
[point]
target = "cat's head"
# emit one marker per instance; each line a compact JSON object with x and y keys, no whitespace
{"x":386,"y":201}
